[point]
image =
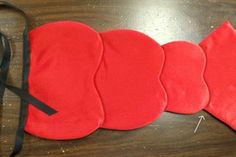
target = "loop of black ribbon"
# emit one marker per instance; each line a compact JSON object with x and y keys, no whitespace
{"x":22,"y":92}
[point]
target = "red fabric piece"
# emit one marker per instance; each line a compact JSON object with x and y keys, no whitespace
{"x":128,"y":80}
{"x":112,"y":79}
{"x":64,"y":58}
{"x":182,"y":77}
{"x":220,"y":74}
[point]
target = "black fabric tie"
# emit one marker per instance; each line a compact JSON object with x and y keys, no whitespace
{"x":26,"y":98}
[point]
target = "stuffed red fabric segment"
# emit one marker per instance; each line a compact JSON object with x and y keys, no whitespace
{"x":128,"y":80}
{"x":182,"y":77}
{"x":64,"y":58}
{"x":220,"y":75}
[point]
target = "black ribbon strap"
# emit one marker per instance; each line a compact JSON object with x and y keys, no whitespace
{"x":22,"y":92}
{"x":4,"y":62}
{"x":30,"y":99}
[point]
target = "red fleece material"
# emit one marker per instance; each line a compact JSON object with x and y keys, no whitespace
{"x":112,"y":79}
{"x":64,"y":58}
{"x":220,"y":49}
{"x":182,"y":77}
{"x":128,"y":80}
{"x":63,"y":62}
